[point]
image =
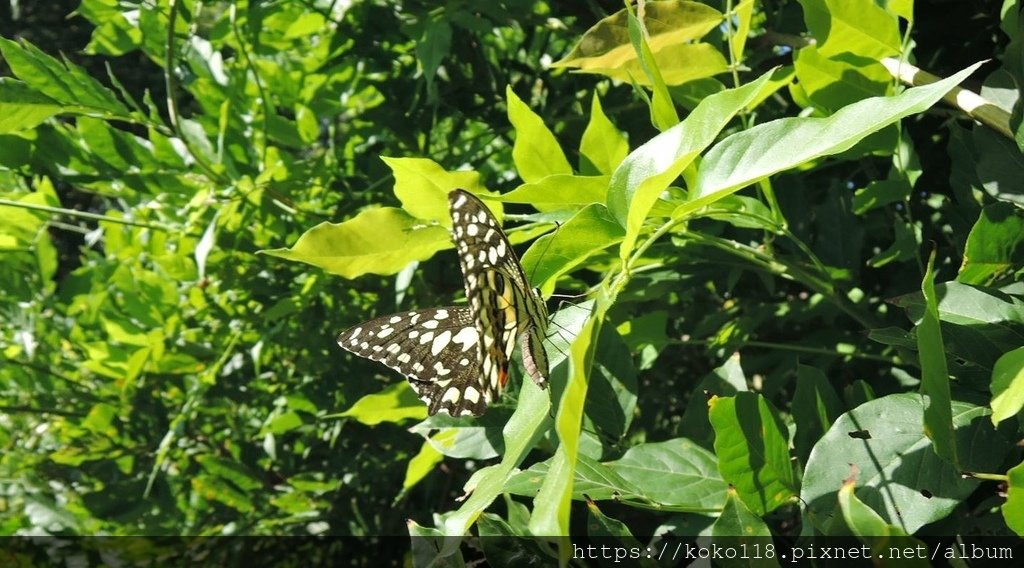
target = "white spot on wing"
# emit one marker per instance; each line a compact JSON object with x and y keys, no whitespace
{"x":440,"y":342}
{"x":451,"y":395}
{"x":468,"y":337}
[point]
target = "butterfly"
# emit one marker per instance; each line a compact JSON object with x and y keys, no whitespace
{"x":456,"y":358}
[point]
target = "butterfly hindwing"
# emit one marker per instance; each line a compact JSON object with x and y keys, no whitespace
{"x":494,"y":283}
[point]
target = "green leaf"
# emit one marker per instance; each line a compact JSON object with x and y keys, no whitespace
{"x":889,"y":544}
{"x":423,"y":187}
{"x":283,"y":423}
{"x":901,"y":476}
{"x":65,"y":83}
{"x":1008,"y":385}
{"x":675,"y":473}
{"x":754,"y":154}
{"x":230,"y":470}
{"x":833,"y":83}
{"x":551,"y":506}
{"x":995,"y":247}
{"x":737,"y":527}
{"x":816,"y":406}
{"x":1013,"y":509}
{"x":647,"y":171}
{"x":606,"y":48}
{"x":858,"y":27}
{"x":880,"y":193}
{"x":592,"y":478}
{"x":421,"y":465}
{"x":590,"y":231}
{"x":663,"y":110}
{"x":431,"y":49}
{"x":535,"y":152}
{"x":725,"y":380}
{"x":603,"y":146}
{"x":752,"y":445}
{"x":966,"y":305}
{"x":376,"y":241}
{"x":521,"y":433}
{"x":612,"y":396}
{"x":22,"y":108}
{"x":307,"y":24}
{"x":560,"y":191}
{"x":478,"y":438}
{"x":938,"y":417}
{"x":396,"y":403}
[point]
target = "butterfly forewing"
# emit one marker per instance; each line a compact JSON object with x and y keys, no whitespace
{"x":437,"y":350}
{"x":457,"y":358}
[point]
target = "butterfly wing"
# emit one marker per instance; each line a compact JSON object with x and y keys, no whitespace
{"x":497,"y":291}
{"x":438,"y":350}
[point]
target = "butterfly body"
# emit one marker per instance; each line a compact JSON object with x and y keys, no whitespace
{"x":456,"y":358}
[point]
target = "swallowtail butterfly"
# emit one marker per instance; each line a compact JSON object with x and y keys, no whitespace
{"x":456,"y":358}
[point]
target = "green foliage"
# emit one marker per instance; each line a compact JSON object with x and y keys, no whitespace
{"x":786,"y":254}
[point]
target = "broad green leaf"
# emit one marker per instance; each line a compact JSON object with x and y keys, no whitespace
{"x":592,"y":478}
{"x":752,"y":445}
{"x":880,"y":193}
{"x":675,"y":473}
{"x":283,"y":423}
{"x":431,"y":49}
{"x":588,"y":232}
{"x":215,"y":489}
{"x":833,"y":84}
{"x":612,"y":396}
{"x":559,"y":191}
{"x":900,"y":476}
{"x":966,"y":305}
{"x":603,"y":146}
{"x":307,"y":24}
{"x":858,"y":27}
{"x":376,"y":241}
{"x":995,"y":247}
{"x":22,"y":108}
{"x":938,"y":417}
{"x":396,"y":403}
{"x":521,"y":433}
{"x":779,"y":145}
{"x":737,"y":527}
{"x":478,"y":438}
{"x":725,"y":380}
{"x":421,"y":465}
{"x":906,"y":237}
{"x":815,"y":407}
{"x":606,"y":45}
{"x":535,"y":152}
{"x":423,"y":187}
{"x":114,"y":33}
{"x":647,"y":171}
{"x":887,"y":542}
{"x":626,"y":546}
{"x":676,"y":64}
{"x":504,"y":545}
{"x":1008,"y":385}
{"x":1013,"y":509}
